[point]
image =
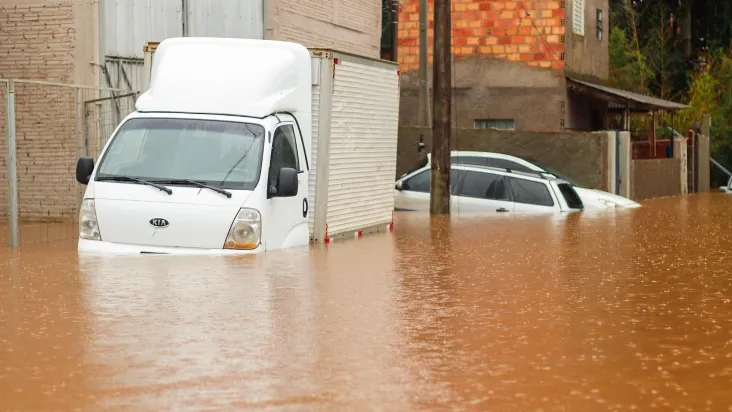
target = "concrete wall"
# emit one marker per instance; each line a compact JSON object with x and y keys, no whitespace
{"x":490,"y":88}
{"x":586,"y":56}
{"x":703,"y":171}
{"x":352,"y":26}
{"x":582,"y":156}
{"x":656,"y":178}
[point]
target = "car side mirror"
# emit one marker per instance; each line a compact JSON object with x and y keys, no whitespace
{"x":287,"y":184}
{"x":84,"y":169}
{"x":399,"y":185}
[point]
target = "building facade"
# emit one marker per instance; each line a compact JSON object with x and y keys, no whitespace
{"x":63,"y":40}
{"x":514,"y":63}
{"x":100,"y":43}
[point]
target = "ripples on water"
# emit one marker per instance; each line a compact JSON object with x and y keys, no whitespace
{"x":626,"y":310}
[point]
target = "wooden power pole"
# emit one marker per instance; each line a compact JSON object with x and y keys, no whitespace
{"x":441,"y":122}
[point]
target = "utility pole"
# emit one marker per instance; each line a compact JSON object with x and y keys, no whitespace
{"x":395,"y":28}
{"x":424,"y":100}
{"x":441,"y":122}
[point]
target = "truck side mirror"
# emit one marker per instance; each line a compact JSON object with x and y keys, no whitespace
{"x":287,"y":184}
{"x":84,"y":169}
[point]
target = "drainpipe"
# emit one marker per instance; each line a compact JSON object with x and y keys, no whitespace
{"x":184,"y":17}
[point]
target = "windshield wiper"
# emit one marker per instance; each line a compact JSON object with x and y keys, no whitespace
{"x":199,"y":184}
{"x":123,"y":178}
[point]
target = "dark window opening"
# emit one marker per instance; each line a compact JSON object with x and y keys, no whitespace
{"x":284,"y":153}
{"x":571,"y":196}
{"x":484,"y":186}
{"x":599,"y":24}
{"x":421,"y":181}
{"x":530,"y":192}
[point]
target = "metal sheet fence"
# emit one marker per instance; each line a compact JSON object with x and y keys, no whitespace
{"x":54,"y":124}
{"x":4,"y":182}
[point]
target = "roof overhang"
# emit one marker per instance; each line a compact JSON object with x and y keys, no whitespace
{"x":622,"y":99}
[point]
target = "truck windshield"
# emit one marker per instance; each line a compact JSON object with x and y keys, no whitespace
{"x":219,"y":153}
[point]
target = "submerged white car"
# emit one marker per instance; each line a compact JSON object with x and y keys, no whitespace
{"x":489,"y":189}
{"x":591,"y":198}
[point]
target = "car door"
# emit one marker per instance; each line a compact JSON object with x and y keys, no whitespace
{"x":286,"y":213}
{"x":531,"y":195}
{"x":415,"y":193}
{"x":483,"y":192}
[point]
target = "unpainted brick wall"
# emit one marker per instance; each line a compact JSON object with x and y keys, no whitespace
{"x":582,"y":156}
{"x":37,"y":42}
{"x":531,"y":32}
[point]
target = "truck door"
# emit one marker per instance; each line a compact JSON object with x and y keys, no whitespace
{"x":288,"y":223}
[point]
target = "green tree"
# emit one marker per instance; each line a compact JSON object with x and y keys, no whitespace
{"x":628,"y":68}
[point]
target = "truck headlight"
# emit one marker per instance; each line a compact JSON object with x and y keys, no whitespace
{"x":88,"y":225}
{"x":246,"y":231}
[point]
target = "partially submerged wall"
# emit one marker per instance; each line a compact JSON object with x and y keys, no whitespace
{"x":38,"y":41}
{"x":582,"y":156}
{"x":654,"y":178}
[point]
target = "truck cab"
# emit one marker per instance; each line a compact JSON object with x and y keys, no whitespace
{"x":215,"y":158}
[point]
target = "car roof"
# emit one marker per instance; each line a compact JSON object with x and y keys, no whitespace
{"x":492,"y":155}
{"x":538,"y":176}
{"x":533,"y":176}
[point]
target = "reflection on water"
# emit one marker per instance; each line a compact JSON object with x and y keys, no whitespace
{"x":626,"y":310}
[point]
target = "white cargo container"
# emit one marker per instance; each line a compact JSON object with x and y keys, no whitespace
{"x":336,"y":112}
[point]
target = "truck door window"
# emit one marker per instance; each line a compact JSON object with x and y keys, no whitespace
{"x":530,"y":192}
{"x":284,"y":152}
{"x":484,"y":186}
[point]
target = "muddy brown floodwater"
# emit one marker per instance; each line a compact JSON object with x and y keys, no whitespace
{"x":627,"y":310}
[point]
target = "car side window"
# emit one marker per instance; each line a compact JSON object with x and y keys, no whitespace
{"x":484,"y":186}
{"x":530,"y":192}
{"x":284,"y":152}
{"x":421,"y":181}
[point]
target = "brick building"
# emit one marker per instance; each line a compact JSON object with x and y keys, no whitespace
{"x":516,"y":62}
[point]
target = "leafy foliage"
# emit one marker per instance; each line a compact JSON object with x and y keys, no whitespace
{"x":678,"y":50}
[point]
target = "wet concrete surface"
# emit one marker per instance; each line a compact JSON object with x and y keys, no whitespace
{"x":625,"y":310}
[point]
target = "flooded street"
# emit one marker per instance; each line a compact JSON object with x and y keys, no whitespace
{"x":627,"y":310}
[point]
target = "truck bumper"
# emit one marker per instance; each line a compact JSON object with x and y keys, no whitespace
{"x":94,"y":247}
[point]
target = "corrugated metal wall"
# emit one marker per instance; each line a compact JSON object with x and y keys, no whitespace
{"x":129,"y":24}
{"x":229,"y":18}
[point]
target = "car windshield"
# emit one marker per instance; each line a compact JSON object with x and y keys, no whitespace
{"x":219,"y":153}
{"x":556,"y":173}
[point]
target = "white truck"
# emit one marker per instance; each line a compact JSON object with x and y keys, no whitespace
{"x":243,"y":146}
